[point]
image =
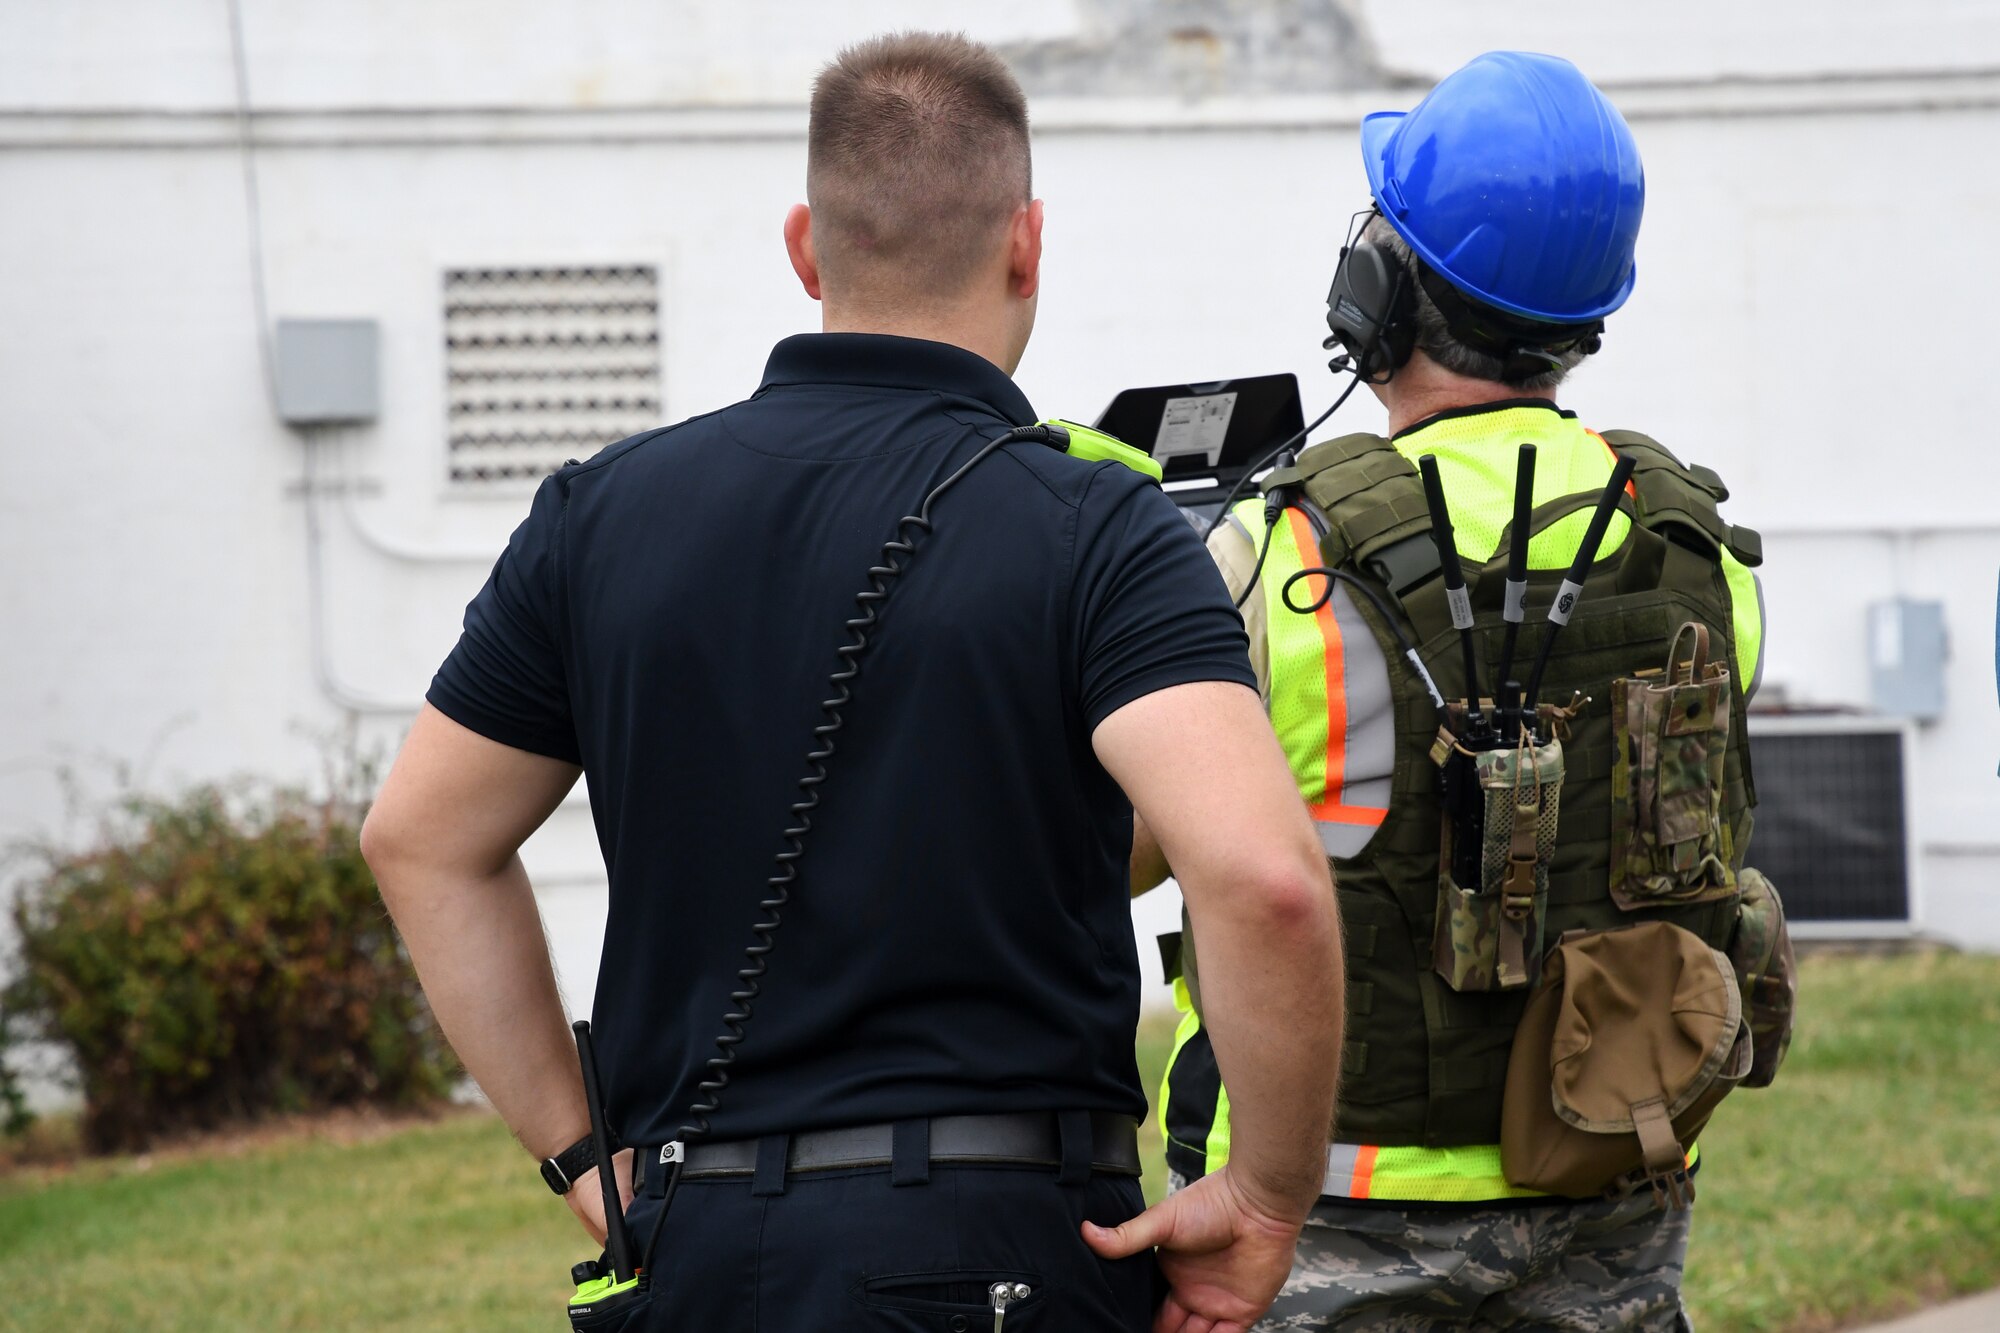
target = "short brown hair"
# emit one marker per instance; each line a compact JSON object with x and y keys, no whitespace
{"x":917,"y":155}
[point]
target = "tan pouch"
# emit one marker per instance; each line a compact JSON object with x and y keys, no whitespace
{"x":1670,"y":845}
{"x":1629,"y":1041}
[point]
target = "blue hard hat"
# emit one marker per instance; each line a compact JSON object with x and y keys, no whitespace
{"x":1518,"y":182}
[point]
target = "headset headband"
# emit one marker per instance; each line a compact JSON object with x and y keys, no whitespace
{"x":1500,"y":333}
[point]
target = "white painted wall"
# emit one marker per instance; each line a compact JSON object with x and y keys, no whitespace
{"x":175,"y":55}
{"x":1809,"y":320}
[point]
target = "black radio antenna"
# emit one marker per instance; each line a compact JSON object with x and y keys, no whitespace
{"x":1454,"y":587}
{"x":1515,"y":609}
{"x":1579,"y":569}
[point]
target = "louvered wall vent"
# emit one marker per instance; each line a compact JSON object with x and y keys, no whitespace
{"x":547,"y":364}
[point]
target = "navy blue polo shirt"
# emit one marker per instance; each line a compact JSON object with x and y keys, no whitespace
{"x":959,"y":937}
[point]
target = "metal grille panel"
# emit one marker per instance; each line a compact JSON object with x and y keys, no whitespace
{"x":1830,"y":826}
{"x":543,"y":365}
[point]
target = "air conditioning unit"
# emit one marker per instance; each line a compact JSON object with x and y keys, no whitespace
{"x":1834,"y":829}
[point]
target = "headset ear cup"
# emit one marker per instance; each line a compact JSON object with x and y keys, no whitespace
{"x":1368,"y":311}
{"x":1346,"y":322}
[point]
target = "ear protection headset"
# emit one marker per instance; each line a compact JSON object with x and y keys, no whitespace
{"x":1371,"y":312}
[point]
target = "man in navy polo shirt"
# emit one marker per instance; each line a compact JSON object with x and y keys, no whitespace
{"x":930,"y":1120}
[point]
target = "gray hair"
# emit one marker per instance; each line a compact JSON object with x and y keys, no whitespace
{"x":1435,"y":338}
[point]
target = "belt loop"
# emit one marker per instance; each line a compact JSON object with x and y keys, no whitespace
{"x":1074,"y":1134}
{"x":910,"y":1152}
{"x":772,"y":1150}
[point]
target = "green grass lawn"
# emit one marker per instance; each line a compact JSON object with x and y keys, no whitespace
{"x":1867,"y":1180}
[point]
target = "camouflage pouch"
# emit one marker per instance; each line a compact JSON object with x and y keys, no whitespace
{"x":1490,"y":937}
{"x":1760,"y":949}
{"x":1670,"y":845}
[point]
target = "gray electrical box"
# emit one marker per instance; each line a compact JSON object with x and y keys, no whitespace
{"x":1906,"y":652}
{"x":327,"y":371}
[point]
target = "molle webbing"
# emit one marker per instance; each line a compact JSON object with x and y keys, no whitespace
{"x":1676,"y":496}
{"x":1370,"y":494}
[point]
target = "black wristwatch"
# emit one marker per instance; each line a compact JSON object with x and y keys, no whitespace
{"x":562,"y":1170}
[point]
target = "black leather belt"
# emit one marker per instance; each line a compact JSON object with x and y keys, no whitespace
{"x":1024,"y":1138}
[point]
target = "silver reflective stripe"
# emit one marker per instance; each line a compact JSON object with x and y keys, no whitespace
{"x":1344,"y":839}
{"x":1238,"y":524}
{"x":1763,"y":638}
{"x":1341,"y":1159}
{"x":1368,"y":745}
{"x":1369,"y":793}
{"x":1565,"y":602}
{"x":1461,"y":607}
{"x":1370,"y":758}
{"x":1516,"y":609}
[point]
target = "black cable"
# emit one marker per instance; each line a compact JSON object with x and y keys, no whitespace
{"x":1270,"y":531}
{"x":895,"y":557}
{"x":1250,"y":474}
{"x":1374,"y":600}
{"x":1276,"y":501}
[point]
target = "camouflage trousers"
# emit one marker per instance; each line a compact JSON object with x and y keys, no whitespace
{"x":1604,"y":1264}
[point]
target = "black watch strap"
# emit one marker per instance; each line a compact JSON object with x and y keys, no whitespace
{"x":562,"y":1170}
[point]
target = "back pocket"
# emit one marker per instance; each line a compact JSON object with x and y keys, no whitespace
{"x":956,"y":1300}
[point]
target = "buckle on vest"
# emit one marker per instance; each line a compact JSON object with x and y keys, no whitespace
{"x":1664,"y":1164}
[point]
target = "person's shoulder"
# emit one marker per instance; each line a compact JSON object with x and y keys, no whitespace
{"x":647,"y":445}
{"x":1083,"y":484}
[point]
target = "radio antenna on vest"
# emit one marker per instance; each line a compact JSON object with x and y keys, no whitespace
{"x":1454,"y":590}
{"x":1515,"y":608}
{"x":1579,"y":570}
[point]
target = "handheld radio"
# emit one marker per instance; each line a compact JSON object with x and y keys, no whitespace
{"x":603,"y":1299}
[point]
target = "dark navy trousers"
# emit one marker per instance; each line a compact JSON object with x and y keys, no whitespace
{"x":846,"y":1250}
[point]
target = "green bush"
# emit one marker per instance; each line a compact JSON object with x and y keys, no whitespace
{"x":214,"y":960}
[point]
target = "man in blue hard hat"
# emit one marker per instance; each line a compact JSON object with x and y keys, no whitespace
{"x":1500,"y":236}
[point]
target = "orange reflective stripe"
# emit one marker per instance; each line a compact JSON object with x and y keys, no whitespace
{"x":1329,"y":809}
{"x":1364,"y":1172}
{"x":1631,"y":488}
